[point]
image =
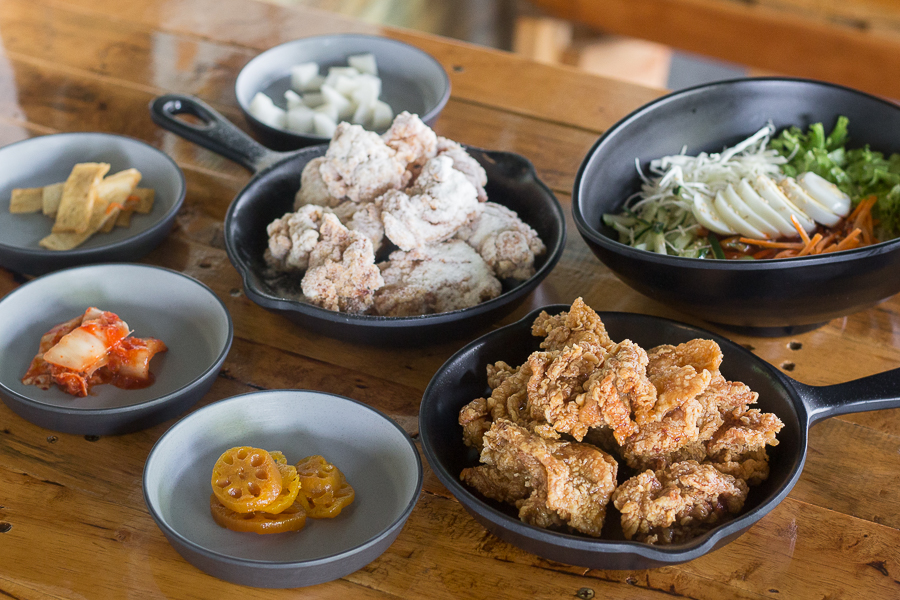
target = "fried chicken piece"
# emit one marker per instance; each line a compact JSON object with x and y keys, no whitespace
{"x":413,"y":141}
{"x":550,"y":482}
{"x":359,"y":166}
{"x":752,"y":466}
{"x":434,"y":279}
{"x":362,"y":217}
{"x":292,"y":238}
{"x":440,"y":202}
{"x":728,"y":396}
{"x":475,"y":420}
{"x":313,"y":189}
{"x":577,"y":325}
{"x":342,"y":274}
{"x":739,"y":445}
{"x":677,"y":503}
{"x":497,"y":373}
{"x":658,"y":443}
{"x":465,"y":163}
{"x":679,"y":373}
{"x":503,"y":240}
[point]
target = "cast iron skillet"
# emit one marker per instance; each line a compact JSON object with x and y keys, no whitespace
{"x":512,"y":182}
{"x":463,"y":378}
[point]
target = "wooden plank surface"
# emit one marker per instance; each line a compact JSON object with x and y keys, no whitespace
{"x":78,"y":532}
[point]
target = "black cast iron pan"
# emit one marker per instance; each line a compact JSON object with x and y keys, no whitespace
{"x":463,"y":378}
{"x":512,"y":182}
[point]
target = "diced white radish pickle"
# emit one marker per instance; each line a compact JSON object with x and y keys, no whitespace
{"x":323,"y":125}
{"x":312,"y":85}
{"x":752,"y":217}
{"x":338,"y":101}
{"x":300,"y":119}
{"x":807,"y":204}
{"x":363,"y":114}
{"x":364,"y":63}
{"x":382,"y":115}
{"x":758,"y":204}
{"x":329,"y":110}
{"x":736,"y":221}
{"x":777,"y":200}
{"x":825,"y":193}
{"x":706,"y":215}
{"x":303,"y":74}
{"x":293,"y":99}
{"x":265,"y":111}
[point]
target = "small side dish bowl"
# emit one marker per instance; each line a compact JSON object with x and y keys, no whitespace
{"x":412,"y":80}
{"x":48,"y":159}
{"x":374,"y":453}
{"x":757,"y":297}
{"x":155,"y":302}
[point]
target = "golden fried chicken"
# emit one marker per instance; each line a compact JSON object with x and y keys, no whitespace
{"x":440,"y":202}
{"x":503,"y":240}
{"x":677,"y":503}
{"x":359,"y":166}
{"x":577,"y":325}
{"x":342,"y":274}
{"x":465,"y":163}
{"x":292,"y":237}
{"x":738,"y":446}
{"x":675,"y":378}
{"x":433,"y":279}
{"x":550,"y":482}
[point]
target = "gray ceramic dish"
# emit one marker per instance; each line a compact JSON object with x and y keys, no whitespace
{"x":374,"y":453}
{"x":412,"y":80}
{"x":48,"y":159}
{"x":155,"y":302}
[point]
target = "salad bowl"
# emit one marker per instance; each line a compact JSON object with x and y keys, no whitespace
{"x":756,"y":297}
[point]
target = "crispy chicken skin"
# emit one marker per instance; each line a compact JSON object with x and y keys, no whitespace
{"x":677,"y":503}
{"x":503,"y":240}
{"x":342,"y":274}
{"x":359,"y":166}
{"x":434,"y":279}
{"x":579,"y":324}
{"x":440,"y":202}
{"x":292,"y":238}
{"x":550,"y":482}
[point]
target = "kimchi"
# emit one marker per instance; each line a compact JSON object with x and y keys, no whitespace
{"x":92,"y":349}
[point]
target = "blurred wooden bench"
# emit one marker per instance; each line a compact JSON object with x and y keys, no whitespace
{"x":851,"y":42}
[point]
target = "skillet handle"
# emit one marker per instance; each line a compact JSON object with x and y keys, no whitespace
{"x":215,"y":132}
{"x":875,"y":392}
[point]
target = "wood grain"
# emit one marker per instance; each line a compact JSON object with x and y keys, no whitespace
{"x":76,"y":524}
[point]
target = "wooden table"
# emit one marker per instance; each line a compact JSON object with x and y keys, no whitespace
{"x":851,"y":42}
{"x":73,"y":523}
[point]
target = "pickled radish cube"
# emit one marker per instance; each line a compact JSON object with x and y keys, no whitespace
{"x":313,"y":100}
{"x":300,"y":119}
{"x":368,"y":89}
{"x":346,"y":85}
{"x":364,"y":63}
{"x":339,"y":101}
{"x":382,"y":115}
{"x":329,"y":110}
{"x":363,"y":114}
{"x":262,"y":107}
{"x":323,"y":125}
{"x":293,"y":99}
{"x":303,"y":74}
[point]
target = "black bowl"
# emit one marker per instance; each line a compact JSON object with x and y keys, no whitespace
{"x":512,"y":182}
{"x":765,"y":297}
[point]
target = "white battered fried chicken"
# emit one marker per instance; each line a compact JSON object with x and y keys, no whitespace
{"x":579,"y":324}
{"x":433,"y":279}
{"x":292,"y":237}
{"x":465,"y":163}
{"x":413,"y":141}
{"x":550,"y":482}
{"x":677,"y":503}
{"x":503,"y":240}
{"x":440,"y":202}
{"x":342,"y":274}
{"x":313,"y":189}
{"x":359,"y":166}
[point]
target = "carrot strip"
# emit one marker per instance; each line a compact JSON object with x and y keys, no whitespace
{"x":800,"y":230}
{"x":824,"y":243}
{"x":850,"y":239}
{"x":811,"y":245}
{"x":768,"y":244}
{"x":786,"y":254}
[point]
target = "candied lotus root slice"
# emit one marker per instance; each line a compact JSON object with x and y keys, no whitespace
{"x":290,"y":487}
{"x":245,"y":479}
{"x":293,"y":518}
{"x":324,"y":490}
